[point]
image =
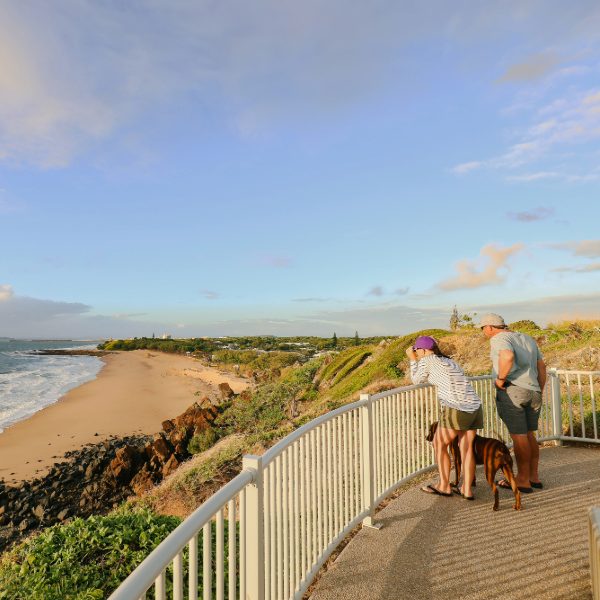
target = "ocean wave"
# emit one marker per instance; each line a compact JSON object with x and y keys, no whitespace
{"x":29,"y":383}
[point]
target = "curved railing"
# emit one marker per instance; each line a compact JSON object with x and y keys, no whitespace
{"x":197,"y":539}
{"x":267,"y":533}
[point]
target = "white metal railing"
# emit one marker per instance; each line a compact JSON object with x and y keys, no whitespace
{"x":594,"y":529}
{"x":191,"y":547}
{"x":274,"y":525}
{"x":580,"y":394}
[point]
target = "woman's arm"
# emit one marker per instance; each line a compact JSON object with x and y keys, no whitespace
{"x":418,"y":371}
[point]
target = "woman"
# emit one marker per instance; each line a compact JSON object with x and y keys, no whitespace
{"x":461,"y":413}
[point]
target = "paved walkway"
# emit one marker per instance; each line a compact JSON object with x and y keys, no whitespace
{"x":447,"y":548}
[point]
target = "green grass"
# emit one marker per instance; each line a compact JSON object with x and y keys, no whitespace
{"x":83,"y":560}
{"x":384,"y":365}
{"x":339,"y":362}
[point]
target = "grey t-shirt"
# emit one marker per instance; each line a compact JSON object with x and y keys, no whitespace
{"x":524,"y":372}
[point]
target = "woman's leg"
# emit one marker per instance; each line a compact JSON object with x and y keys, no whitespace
{"x":465,"y":442}
{"x":443,"y":438}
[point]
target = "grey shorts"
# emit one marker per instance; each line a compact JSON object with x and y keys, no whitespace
{"x":519,"y":408}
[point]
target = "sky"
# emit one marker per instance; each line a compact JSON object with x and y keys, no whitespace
{"x":202,"y":168}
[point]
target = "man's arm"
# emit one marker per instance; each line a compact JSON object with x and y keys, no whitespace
{"x":506,"y":359}
{"x":541,"y":369}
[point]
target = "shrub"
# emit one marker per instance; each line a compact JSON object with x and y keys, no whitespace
{"x":84,"y":559}
{"x":269,"y":403}
{"x":203,"y":441}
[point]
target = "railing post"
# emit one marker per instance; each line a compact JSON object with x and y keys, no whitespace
{"x":594,"y":541}
{"x":255,"y":543}
{"x":368,"y":463}
{"x":556,"y":405}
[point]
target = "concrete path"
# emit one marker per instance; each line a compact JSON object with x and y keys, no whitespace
{"x":447,"y":548}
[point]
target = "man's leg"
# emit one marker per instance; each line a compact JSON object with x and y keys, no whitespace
{"x":535,"y":458}
{"x":465,"y":442}
{"x":522,"y":449}
{"x":443,"y":438}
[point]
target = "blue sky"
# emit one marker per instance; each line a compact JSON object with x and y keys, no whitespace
{"x":203,"y":168}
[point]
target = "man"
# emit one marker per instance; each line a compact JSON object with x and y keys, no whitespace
{"x":520,"y":373}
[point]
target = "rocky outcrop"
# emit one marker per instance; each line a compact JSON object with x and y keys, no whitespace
{"x":81,"y":485}
{"x":98,"y":477}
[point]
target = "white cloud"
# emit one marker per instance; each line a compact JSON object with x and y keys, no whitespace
{"x":534,"y":67}
{"x":536,"y":214}
{"x":375,"y":291}
{"x":75,"y":75}
{"x":467,"y":167}
{"x":589,"y":268}
{"x":553,"y":127}
{"x":277,"y":262}
{"x":6,"y":292}
{"x":488,"y":270}
{"x":587,"y":248}
{"x":209,"y":294}
{"x":535,"y":176}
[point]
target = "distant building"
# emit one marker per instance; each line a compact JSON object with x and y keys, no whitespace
{"x":165,"y":336}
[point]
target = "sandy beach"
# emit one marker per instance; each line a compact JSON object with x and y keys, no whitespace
{"x":133,"y":393}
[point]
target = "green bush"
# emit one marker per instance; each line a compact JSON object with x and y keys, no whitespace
{"x":268,"y":405}
{"x":84,"y":559}
{"x":203,"y":441}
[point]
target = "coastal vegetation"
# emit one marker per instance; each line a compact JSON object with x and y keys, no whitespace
{"x":306,"y":345}
{"x":85,"y":559}
{"x":309,"y":377}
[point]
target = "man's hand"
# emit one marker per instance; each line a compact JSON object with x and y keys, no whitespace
{"x":412,"y":355}
{"x":541,"y":369}
{"x":500,"y":383}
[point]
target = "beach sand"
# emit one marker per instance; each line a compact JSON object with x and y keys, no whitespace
{"x":133,"y":394}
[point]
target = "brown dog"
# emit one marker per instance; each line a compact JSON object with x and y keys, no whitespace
{"x":493,"y":455}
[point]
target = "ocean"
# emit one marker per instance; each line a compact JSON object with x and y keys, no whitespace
{"x":30,"y":382}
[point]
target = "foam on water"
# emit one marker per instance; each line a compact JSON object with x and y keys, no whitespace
{"x":30,"y":382}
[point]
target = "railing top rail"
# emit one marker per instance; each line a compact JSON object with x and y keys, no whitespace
{"x":572,"y":372}
{"x":480,"y":377}
{"x":143,"y":577}
{"x":398,"y":390}
{"x":289,"y":439}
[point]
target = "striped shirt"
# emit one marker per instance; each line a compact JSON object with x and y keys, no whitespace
{"x":453,"y":388}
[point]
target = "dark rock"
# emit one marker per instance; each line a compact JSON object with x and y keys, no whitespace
{"x":63,"y":514}
{"x":143,"y":481}
{"x":226,"y":391}
{"x":24,"y":525}
{"x":167,"y":426}
{"x":170,"y":466}
{"x":161,"y":449}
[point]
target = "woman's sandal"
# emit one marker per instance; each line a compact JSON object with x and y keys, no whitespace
{"x":457,"y":491}
{"x":430,"y":489}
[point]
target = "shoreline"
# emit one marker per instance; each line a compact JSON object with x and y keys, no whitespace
{"x":132,"y":394}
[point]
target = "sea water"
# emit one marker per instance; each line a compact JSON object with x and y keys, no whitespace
{"x":30,"y":382}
